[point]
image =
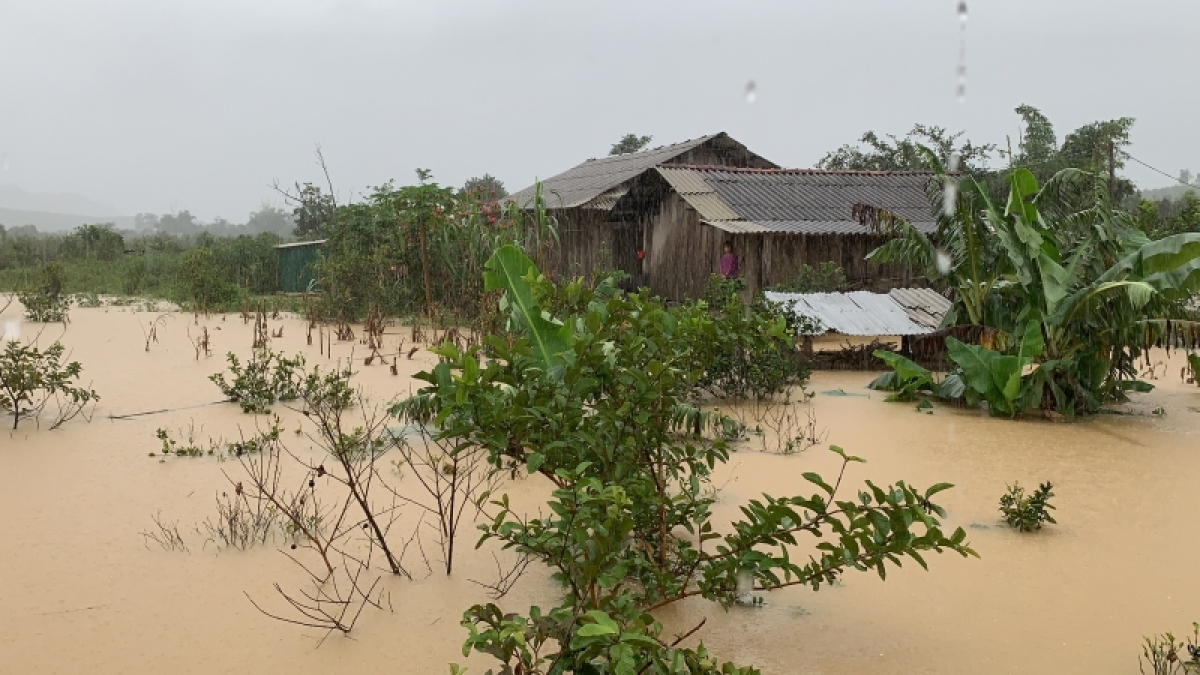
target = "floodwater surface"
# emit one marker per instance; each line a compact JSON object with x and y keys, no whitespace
{"x":81,"y":591}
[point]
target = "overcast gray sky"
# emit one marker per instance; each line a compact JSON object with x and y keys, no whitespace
{"x":163,"y":105}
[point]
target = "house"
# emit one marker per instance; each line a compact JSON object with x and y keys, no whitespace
{"x":663,"y":215}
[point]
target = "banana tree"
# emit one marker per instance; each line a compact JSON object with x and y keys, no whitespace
{"x":1087,"y":281}
{"x":962,"y":253}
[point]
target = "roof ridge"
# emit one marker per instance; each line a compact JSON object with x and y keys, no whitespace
{"x":626,"y":155}
{"x":830,"y":172}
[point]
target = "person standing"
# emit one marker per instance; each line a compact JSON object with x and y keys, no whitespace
{"x":729,"y":262}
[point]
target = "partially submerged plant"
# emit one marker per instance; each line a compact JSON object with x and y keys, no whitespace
{"x":1167,"y":656}
{"x":31,"y":378}
{"x":266,"y":378}
{"x":1027,"y":512}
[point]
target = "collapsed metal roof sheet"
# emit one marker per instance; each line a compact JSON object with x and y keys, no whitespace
{"x":862,"y":313}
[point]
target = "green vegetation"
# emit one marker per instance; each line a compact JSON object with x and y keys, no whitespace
{"x":30,"y":379}
{"x":630,"y":143}
{"x":266,"y":378}
{"x":826,"y":277}
{"x":45,"y":301}
{"x":1165,"y":655}
{"x":202,"y":272}
{"x":1027,"y":512}
{"x":596,"y":398}
{"x":1064,"y":279}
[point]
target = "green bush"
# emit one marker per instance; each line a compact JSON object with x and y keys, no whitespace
{"x":747,"y":351}
{"x":45,"y":302}
{"x":1027,"y":512}
{"x":826,"y":277}
{"x":30,"y":378}
{"x":266,"y":378}
{"x":595,"y":398}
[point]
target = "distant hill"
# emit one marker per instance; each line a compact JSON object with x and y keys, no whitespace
{"x":1172,"y":192}
{"x":54,"y":212}
{"x":58,"y":222}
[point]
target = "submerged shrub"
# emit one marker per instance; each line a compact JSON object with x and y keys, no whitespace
{"x":30,"y":378}
{"x":266,"y":378}
{"x":1027,"y":513}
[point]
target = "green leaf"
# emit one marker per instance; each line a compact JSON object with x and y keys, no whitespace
{"x":534,"y":461}
{"x":506,"y":271}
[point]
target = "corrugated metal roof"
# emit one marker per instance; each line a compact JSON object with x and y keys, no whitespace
{"x":924,"y":306}
{"x":314,"y":242}
{"x":858,"y":313}
{"x":799,"y":227}
{"x":581,"y":184}
{"x":685,"y":181}
{"x":799,"y":201}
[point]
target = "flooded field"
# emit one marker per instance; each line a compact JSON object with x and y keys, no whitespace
{"x":81,"y":591}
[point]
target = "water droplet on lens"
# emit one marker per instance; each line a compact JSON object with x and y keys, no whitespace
{"x":949,"y":197}
{"x":962,"y":93}
{"x":962,"y":11}
{"x":12,"y":331}
{"x":751,"y":92}
{"x":954,"y":160}
{"x":943,"y":262}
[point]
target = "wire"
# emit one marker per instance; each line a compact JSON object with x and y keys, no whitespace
{"x":1174,"y":178}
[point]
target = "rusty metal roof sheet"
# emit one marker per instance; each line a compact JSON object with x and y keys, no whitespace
{"x":858,"y":313}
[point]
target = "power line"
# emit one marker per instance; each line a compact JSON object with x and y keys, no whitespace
{"x":1174,"y":178}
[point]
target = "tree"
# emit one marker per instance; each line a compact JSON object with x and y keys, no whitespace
{"x":905,"y":154}
{"x":315,"y":212}
{"x":630,"y":143}
{"x":485,"y":188}
{"x":180,"y":223}
{"x":270,"y":219}
{"x":1037,"y":144}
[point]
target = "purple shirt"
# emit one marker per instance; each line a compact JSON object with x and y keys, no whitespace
{"x":729,"y":265}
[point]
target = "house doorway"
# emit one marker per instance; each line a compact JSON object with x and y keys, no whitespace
{"x":628,"y":240}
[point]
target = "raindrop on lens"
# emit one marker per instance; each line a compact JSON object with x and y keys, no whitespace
{"x":12,"y":331}
{"x":745,"y":586}
{"x":949,"y":196}
{"x":962,"y":12}
{"x":943,"y":262}
{"x":751,"y":91}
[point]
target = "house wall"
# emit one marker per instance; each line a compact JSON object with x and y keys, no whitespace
{"x":584,"y":244}
{"x":783,"y":254}
{"x":682,"y":253}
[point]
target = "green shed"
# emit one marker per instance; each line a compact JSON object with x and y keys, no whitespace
{"x":296,"y":263}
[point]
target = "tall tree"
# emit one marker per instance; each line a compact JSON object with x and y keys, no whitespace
{"x":630,"y":143}
{"x":1038,"y":144}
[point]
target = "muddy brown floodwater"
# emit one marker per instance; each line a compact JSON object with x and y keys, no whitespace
{"x":80,"y":592}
